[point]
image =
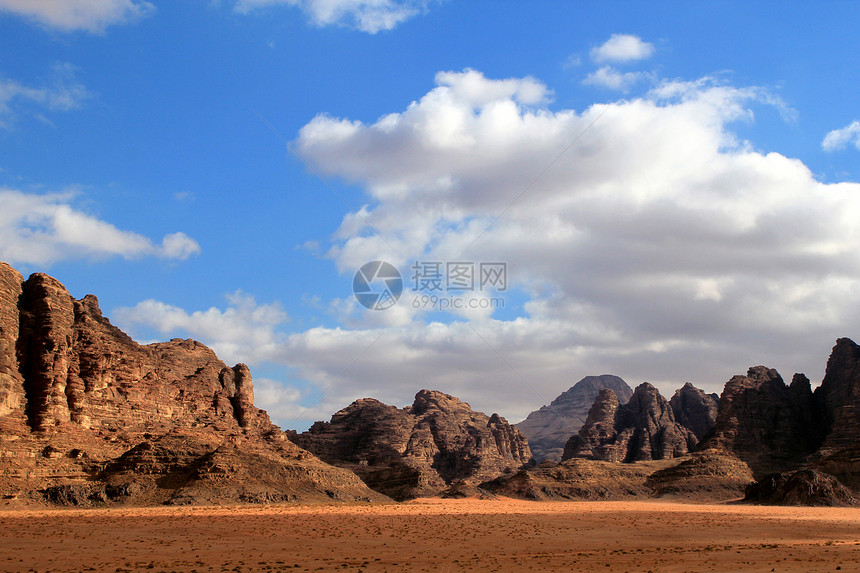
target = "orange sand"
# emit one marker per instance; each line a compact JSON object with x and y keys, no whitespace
{"x":435,"y":535}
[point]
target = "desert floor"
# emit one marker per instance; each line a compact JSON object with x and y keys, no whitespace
{"x":435,"y":535}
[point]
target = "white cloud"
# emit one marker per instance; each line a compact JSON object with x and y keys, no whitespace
{"x":622,"y":48}
{"x":178,"y":246}
{"x":243,"y":332}
{"x":42,"y":229}
{"x":370,"y":16}
{"x":62,"y":93}
{"x":840,"y":138}
{"x":70,"y":15}
{"x":655,"y":244}
{"x":609,"y":77}
{"x":644,"y":238}
{"x":572,"y":61}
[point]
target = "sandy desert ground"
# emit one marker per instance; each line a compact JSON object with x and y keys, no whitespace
{"x":435,"y":535}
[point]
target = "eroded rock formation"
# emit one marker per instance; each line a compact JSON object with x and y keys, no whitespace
{"x":78,"y":396}
{"x":642,"y":429}
{"x":549,"y":428}
{"x":418,"y":450}
{"x":771,"y":426}
{"x":695,"y":410}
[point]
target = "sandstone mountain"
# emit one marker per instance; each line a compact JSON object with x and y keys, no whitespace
{"x":771,"y":426}
{"x":549,"y":428}
{"x":642,"y":429}
{"x":781,"y":429}
{"x":838,"y":400}
{"x":695,"y":410}
{"x":80,"y":401}
{"x":418,"y":450}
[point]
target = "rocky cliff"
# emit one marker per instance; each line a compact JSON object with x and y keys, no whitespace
{"x":76,"y":394}
{"x":642,"y":429}
{"x":418,"y":450}
{"x":695,"y":410}
{"x":769,"y":425}
{"x":838,"y":400}
{"x":549,"y":428}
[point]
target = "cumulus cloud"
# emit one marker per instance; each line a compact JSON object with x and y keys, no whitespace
{"x":643,"y":238}
{"x":840,"y":138}
{"x":370,"y":16}
{"x":655,"y":236}
{"x":43,"y":229}
{"x":63,"y":92}
{"x":609,"y":77}
{"x":71,"y":15}
{"x":622,"y":48}
{"x":243,"y":332}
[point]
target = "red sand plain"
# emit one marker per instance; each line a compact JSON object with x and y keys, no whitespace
{"x":435,"y":535}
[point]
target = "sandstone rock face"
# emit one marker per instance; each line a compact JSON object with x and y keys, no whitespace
{"x":695,"y":410}
{"x":804,"y":487}
{"x":642,"y":429}
{"x":11,"y":383}
{"x":418,"y":450}
{"x":838,"y":398}
{"x":77,"y":394}
{"x":75,"y":367}
{"x":549,"y":428}
{"x":767,"y":424}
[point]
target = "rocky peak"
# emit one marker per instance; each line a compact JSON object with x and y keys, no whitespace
{"x":838,"y":400}
{"x":695,"y":410}
{"x":62,"y":362}
{"x":642,"y":429}
{"x":549,"y":428}
{"x":767,"y":424}
{"x":839,"y":394}
{"x":418,"y":450}
{"x":76,"y":393}
{"x":427,"y":400}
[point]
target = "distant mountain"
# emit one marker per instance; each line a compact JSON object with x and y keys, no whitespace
{"x":549,"y":428}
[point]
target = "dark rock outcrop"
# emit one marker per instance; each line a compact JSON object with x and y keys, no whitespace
{"x":79,"y":398}
{"x":418,"y":450}
{"x":577,"y":479}
{"x":702,"y":477}
{"x":804,"y":487}
{"x":706,"y":475}
{"x":642,"y":429}
{"x":695,"y":410}
{"x":838,"y":398}
{"x":549,"y":428}
{"x":771,"y":426}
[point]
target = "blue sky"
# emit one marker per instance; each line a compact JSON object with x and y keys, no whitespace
{"x":673,"y":187}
